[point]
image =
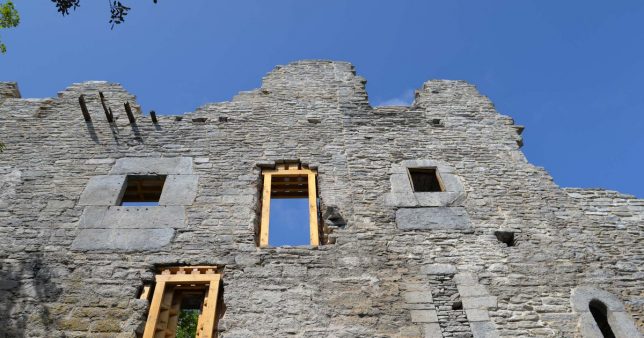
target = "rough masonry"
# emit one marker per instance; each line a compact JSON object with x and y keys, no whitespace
{"x":397,"y":263}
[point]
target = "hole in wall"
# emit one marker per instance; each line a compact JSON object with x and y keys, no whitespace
{"x":425,"y":180}
{"x":457,"y":305}
{"x":506,"y":237}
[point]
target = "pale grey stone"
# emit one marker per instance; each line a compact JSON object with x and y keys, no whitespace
{"x":477,"y":315}
{"x":438,"y":269}
{"x":432,"y":330}
{"x":179,"y":190}
{"x":103,"y":190}
{"x":153,"y":166}
{"x":417,"y":297}
{"x":130,"y":217}
{"x":439,"y":218}
{"x":424,"y":316}
{"x":483,"y":330}
{"x":487,"y":302}
{"x":122,"y":239}
{"x":472,"y":290}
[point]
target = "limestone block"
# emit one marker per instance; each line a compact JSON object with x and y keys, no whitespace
{"x":477,"y":315}
{"x":432,"y":330}
{"x":486,"y":302}
{"x":134,"y":217}
{"x":103,"y":190}
{"x":439,"y":218}
{"x":414,"y":297}
{"x":122,"y":239}
{"x":179,"y":190}
{"x":438,"y":269}
{"x":483,"y":330}
{"x":424,"y":316}
{"x":472,"y":290}
{"x":153,"y":166}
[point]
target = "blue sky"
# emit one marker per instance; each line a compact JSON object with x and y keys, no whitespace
{"x":571,"y":71}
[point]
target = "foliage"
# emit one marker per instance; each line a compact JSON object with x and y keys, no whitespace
{"x":187,"y":324}
{"x":8,"y":18}
{"x":64,"y":5}
{"x":1,"y":147}
{"x":118,"y":13}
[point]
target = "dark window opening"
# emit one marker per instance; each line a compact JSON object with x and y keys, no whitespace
{"x":289,"y":214}
{"x":425,"y":180}
{"x":506,"y":237}
{"x":143,"y":190}
{"x":600,"y":313}
{"x":458,"y":305}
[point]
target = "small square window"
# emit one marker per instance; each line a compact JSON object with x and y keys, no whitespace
{"x":143,"y":190}
{"x":425,"y":180}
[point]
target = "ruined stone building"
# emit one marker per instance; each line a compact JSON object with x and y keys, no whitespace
{"x":424,"y":221}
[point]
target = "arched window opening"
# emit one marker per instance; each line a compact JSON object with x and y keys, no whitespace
{"x":600,"y":314}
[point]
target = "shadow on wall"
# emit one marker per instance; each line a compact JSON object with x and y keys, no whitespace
{"x":25,"y":289}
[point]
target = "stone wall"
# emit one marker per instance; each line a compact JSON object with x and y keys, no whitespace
{"x":378,"y":279}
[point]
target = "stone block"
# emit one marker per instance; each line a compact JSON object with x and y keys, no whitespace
{"x":483,"y":330}
{"x":103,"y":190}
{"x":153,"y":166}
{"x":424,"y":316}
{"x":439,"y":218}
{"x":179,"y":190}
{"x":437,"y":199}
{"x":438,"y":269}
{"x":488,"y":302}
{"x":477,"y":315}
{"x":401,"y":200}
{"x":134,"y":217}
{"x":122,"y":239}
{"x":465,"y":278}
{"x":477,"y":290}
{"x":414,"y":297}
{"x":432,"y":330}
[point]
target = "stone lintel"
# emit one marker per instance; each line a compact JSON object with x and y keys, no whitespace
{"x":438,"y":218}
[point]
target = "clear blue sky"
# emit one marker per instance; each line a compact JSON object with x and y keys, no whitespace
{"x":571,"y":71}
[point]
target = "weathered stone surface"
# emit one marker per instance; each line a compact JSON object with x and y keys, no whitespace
{"x":65,"y":272}
{"x":153,"y":166}
{"x":439,"y":218}
{"x":424,"y":316}
{"x":103,"y":190}
{"x":133,"y":217}
{"x":179,"y":190}
{"x":122,"y":239}
{"x":483,"y":330}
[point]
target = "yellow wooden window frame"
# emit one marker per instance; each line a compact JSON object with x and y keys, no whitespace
{"x":163,"y":313}
{"x":289,"y":170}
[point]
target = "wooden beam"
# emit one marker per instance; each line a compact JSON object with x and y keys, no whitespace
{"x":210,"y":309}
{"x":155,"y":307}
{"x":81,"y":101}
{"x":128,"y":111}
{"x":313,"y":211}
{"x":108,"y":112}
{"x":153,"y":115}
{"x":266,"y":209}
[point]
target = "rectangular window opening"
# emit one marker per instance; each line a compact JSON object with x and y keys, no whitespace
{"x":289,"y":214}
{"x":425,"y":180}
{"x":143,"y":190}
{"x":186,"y":303}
